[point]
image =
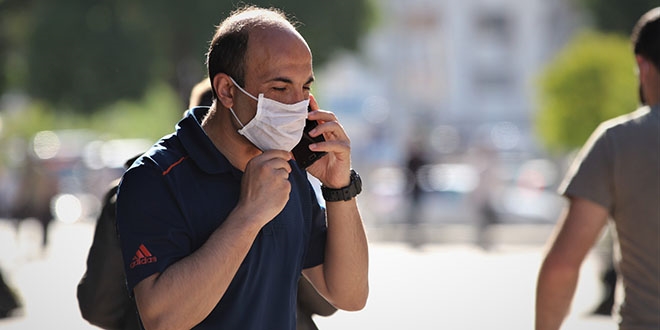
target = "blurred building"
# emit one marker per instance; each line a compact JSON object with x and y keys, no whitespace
{"x":443,"y":69}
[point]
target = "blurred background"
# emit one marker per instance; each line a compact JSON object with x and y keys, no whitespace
{"x":463,"y":117}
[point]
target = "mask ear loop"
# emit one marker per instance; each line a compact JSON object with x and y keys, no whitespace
{"x":236,"y":117}
{"x":244,"y":92}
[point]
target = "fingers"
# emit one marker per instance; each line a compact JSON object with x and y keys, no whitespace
{"x":320,"y":115}
{"x":275,"y":159}
{"x":273,"y":164}
{"x":329,"y":126}
{"x":312,"y":103}
{"x":265,"y":186}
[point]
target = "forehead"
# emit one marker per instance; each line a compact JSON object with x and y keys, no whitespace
{"x":277,"y":52}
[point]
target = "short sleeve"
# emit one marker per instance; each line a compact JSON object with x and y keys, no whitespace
{"x":150,"y":224}
{"x":591,"y":173}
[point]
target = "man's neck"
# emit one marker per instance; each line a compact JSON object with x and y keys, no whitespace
{"x":225,"y":137}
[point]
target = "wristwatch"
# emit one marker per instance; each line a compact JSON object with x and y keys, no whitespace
{"x":346,"y":193}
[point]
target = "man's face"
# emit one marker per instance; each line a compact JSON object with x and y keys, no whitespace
{"x":279,"y":65}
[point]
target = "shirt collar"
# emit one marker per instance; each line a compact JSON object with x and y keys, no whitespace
{"x":198,"y":145}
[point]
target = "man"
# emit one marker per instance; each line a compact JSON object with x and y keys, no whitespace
{"x":616,"y":174}
{"x":217,"y":221}
{"x":102,"y":296}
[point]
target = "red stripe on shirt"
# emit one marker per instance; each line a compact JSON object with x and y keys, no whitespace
{"x":173,"y":165}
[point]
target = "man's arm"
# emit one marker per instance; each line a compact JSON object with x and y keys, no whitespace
{"x":343,"y":277}
{"x":577,"y":232}
{"x":188,"y":290}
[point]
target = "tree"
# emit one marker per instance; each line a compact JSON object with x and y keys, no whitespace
{"x":616,"y":15}
{"x":592,"y":79}
{"x":84,"y":55}
{"x":14,"y":22}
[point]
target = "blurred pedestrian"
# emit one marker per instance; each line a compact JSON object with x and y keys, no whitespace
{"x":414,"y":162}
{"x":102,"y":295}
{"x":616,"y":174}
{"x":485,"y":159}
{"x":201,"y":95}
{"x":38,"y":185}
{"x":608,"y":279}
{"x":9,"y":300}
{"x":310,"y":303}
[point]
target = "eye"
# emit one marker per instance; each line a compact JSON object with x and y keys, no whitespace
{"x":279,"y":89}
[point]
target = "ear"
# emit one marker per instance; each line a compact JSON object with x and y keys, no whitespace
{"x":224,"y":89}
{"x":642,"y":64}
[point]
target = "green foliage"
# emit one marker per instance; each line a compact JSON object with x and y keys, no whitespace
{"x":24,"y":124}
{"x":85,"y":55}
{"x":14,"y":24}
{"x":82,"y":55}
{"x":592,"y":79}
{"x":152,"y":117}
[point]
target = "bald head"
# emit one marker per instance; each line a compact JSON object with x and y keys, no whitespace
{"x":251,"y":17}
{"x":249,"y":25}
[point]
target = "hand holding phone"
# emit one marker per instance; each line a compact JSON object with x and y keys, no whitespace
{"x":301,"y":152}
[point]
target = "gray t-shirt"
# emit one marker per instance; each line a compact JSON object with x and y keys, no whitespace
{"x":619,"y":168}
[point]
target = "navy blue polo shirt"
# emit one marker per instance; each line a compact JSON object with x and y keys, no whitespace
{"x":176,"y":194}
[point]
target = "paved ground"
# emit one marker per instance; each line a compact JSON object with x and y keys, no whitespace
{"x":443,"y":281}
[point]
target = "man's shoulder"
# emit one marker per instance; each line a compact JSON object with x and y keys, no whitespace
{"x":628,"y":121}
{"x":167,"y":151}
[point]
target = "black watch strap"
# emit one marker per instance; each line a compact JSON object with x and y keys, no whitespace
{"x":346,"y":193}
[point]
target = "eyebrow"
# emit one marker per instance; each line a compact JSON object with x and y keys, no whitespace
{"x":289,"y":81}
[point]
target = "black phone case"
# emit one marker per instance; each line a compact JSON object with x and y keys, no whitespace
{"x":305,"y":157}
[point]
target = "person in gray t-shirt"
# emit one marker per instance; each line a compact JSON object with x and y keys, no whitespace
{"x":616,"y":175}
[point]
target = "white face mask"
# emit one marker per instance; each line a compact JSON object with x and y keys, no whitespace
{"x":276,"y":126}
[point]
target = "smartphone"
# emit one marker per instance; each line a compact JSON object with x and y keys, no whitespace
{"x":301,"y":152}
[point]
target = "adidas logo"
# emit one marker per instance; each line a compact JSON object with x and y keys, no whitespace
{"x":142,"y":257}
